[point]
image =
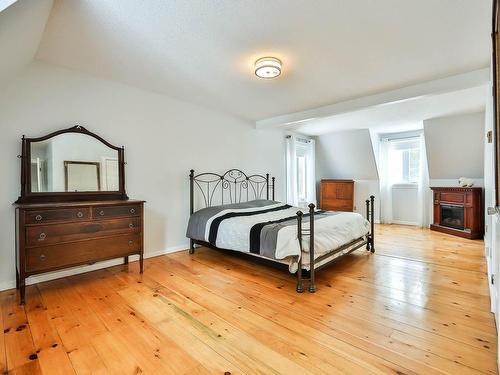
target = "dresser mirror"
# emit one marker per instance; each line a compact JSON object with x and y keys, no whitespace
{"x":71,"y":165}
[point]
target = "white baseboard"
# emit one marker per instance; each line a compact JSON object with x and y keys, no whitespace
{"x":402,"y":222}
{"x":10,"y":284}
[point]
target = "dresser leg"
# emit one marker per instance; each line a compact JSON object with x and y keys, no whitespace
{"x":141,"y":262}
{"x":22,"y":292}
{"x":17,"y":279}
{"x":126,"y":260}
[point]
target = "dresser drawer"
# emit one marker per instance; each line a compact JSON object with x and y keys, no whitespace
{"x":51,"y":257}
{"x":106,"y":212}
{"x":63,"y":214}
{"x":337,"y":206}
{"x":42,"y":235}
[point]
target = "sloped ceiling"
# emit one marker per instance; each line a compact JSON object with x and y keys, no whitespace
{"x":21,"y":29}
{"x":346,"y":154}
{"x":455,"y":146}
{"x":203,"y":51}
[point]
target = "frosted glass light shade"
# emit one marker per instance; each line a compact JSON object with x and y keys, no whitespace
{"x":267,"y":67}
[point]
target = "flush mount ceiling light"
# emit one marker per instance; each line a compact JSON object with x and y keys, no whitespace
{"x":268,"y":67}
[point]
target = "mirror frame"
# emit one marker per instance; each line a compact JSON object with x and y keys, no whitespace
{"x":27,"y":196}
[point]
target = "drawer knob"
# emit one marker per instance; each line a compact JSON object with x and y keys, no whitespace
{"x":101,"y":213}
{"x":42,"y":236}
{"x":79,"y":214}
{"x":131,"y":225}
{"x":130,"y":242}
{"x":38,"y":217}
{"x":132,"y":210}
{"x":43,"y":257}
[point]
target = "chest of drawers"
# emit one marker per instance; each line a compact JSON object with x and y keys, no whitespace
{"x":337,"y":195}
{"x":54,"y":236}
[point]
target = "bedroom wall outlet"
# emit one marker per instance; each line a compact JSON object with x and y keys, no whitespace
{"x":489,"y":136}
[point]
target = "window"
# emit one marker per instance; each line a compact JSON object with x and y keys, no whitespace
{"x":300,"y":171}
{"x":302,"y":174}
{"x":404,"y":161}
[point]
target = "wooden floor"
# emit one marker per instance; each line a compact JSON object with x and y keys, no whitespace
{"x":419,"y":305}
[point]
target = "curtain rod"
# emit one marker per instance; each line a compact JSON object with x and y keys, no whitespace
{"x":401,"y":138}
{"x":305,"y":140}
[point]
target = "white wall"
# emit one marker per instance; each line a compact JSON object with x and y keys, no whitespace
{"x":405,"y":204}
{"x":455,"y":146}
{"x":163,"y":139}
{"x":346,"y":154}
{"x":446,"y":182}
{"x":349,"y":155}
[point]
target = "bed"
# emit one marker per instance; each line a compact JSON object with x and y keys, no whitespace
{"x":235,"y":211}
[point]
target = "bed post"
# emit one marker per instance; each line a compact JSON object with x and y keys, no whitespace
{"x":191,"y":205}
{"x":372,"y":222}
{"x":312,"y":284}
{"x":267,"y":186}
{"x":273,"y":181}
{"x":368,"y":215}
{"x":300,"y":286}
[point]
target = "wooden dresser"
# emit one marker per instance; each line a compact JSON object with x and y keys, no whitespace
{"x":53,"y":236}
{"x":459,"y":211}
{"x":337,"y":195}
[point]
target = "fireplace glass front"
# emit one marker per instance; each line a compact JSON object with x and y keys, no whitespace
{"x":452,"y":216}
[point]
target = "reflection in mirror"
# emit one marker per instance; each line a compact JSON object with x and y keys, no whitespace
{"x":82,"y":176}
{"x":73,"y":162}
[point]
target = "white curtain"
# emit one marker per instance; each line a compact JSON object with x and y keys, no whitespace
{"x":424,"y":191}
{"x":385,"y":184}
{"x":291,"y":171}
{"x":306,"y":148}
{"x":311,"y":173}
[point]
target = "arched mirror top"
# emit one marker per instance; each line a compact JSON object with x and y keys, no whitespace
{"x":71,"y":164}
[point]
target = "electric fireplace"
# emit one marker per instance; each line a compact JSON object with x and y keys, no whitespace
{"x":458,"y":211}
{"x":452,"y":216}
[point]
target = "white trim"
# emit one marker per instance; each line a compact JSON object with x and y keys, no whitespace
{"x":457,"y":82}
{"x":4,"y":4}
{"x":402,"y":222}
{"x":406,"y":185}
{"x":11,"y":284}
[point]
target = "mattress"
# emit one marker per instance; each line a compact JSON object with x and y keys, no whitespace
{"x":268,"y":229}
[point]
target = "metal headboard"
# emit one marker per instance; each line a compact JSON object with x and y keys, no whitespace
{"x":233,"y":186}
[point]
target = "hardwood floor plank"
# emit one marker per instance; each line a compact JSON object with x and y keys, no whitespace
{"x":132,"y":330}
{"x":52,"y":357}
{"x":382,"y":337}
{"x":20,"y":349}
{"x":69,"y":311}
{"x":239,"y":345}
{"x":3,"y":354}
{"x":266,"y":282}
{"x":317,"y":359}
{"x":419,"y":305}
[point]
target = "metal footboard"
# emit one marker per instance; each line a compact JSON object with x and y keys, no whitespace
{"x":369,"y":241}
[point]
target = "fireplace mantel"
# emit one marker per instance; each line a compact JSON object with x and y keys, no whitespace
{"x":458,"y":211}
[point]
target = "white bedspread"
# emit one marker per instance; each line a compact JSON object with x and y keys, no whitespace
{"x":331,"y":232}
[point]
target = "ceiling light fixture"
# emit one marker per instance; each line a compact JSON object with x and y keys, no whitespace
{"x":268,"y":67}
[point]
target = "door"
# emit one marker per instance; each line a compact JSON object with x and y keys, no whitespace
{"x":492,"y":223}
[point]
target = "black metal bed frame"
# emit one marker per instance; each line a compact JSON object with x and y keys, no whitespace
{"x":235,"y":187}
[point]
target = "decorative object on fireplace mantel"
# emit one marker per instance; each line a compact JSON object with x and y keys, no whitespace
{"x":458,"y":211}
{"x":465,"y":182}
